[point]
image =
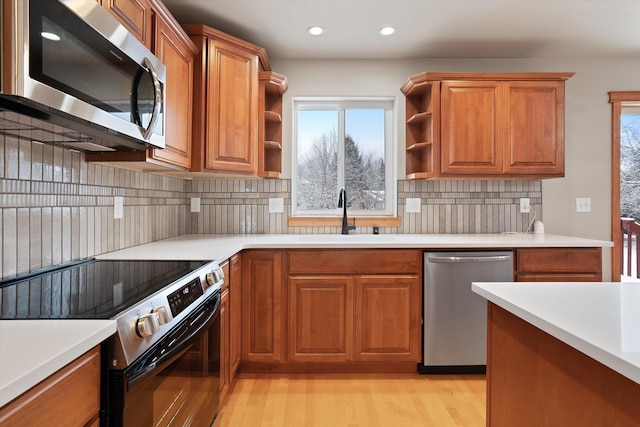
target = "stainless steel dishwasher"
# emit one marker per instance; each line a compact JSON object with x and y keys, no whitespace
{"x":455,"y":318}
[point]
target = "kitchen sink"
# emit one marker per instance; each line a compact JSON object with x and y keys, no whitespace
{"x":349,"y":238}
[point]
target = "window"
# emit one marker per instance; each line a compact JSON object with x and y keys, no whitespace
{"x":343,"y":143}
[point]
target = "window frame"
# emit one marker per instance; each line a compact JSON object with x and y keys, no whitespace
{"x":323,"y":103}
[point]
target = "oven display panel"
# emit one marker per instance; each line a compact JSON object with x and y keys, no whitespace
{"x":183,"y":297}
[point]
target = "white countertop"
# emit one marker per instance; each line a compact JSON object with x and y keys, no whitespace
{"x":602,"y":320}
{"x":32,"y":350}
{"x":221,"y":247}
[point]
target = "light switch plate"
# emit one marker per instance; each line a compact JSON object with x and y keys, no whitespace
{"x":525,"y":205}
{"x":118,"y":207}
{"x":276,"y":205}
{"x":195,"y":204}
{"x":583,"y":204}
{"x":413,"y":205}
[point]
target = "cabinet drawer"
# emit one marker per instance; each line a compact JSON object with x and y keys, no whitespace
{"x":561,"y":260}
{"x":71,"y":396}
{"x":361,"y":261}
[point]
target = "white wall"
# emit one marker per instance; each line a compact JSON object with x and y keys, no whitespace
{"x":587,"y":126}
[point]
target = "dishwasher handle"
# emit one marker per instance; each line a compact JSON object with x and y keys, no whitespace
{"x":455,"y":259}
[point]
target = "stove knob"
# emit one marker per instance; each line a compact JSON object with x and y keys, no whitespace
{"x":218,"y":274}
{"x":164,"y":315}
{"x":211,"y":280}
{"x":147,"y":325}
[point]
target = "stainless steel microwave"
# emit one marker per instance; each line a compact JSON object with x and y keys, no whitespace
{"x":69,"y":62}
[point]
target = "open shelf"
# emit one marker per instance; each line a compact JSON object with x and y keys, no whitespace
{"x":272,"y":86}
{"x":421,"y":127}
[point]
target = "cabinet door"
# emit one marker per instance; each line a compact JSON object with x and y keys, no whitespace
{"x":471,"y":139}
{"x":320,"y":318}
{"x":534,"y":131}
{"x":387,"y":318}
{"x":232,"y":102}
{"x":135,"y":15}
{"x":235,"y":316}
{"x":225,"y":377}
{"x":179,"y":61}
{"x":262,"y":306}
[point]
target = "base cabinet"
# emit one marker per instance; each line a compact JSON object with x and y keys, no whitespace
{"x":70,"y":397}
{"x":262,"y":306}
{"x":559,"y":265}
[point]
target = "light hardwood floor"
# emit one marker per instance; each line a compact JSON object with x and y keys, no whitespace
{"x":354,"y":400}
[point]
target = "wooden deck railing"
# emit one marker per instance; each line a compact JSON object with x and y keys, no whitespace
{"x":630,"y":239}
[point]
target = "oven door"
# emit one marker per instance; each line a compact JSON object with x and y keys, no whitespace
{"x":176,"y":382}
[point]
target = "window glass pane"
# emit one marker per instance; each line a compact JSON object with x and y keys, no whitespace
{"x":364,"y":151}
{"x":317,"y":169}
{"x":630,"y":164}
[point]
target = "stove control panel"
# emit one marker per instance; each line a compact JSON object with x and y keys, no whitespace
{"x":184,"y":296}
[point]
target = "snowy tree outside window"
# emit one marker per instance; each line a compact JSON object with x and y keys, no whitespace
{"x":630,"y":164}
{"x":343,"y":143}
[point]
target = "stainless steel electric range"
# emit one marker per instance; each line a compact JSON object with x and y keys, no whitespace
{"x":162,"y":366}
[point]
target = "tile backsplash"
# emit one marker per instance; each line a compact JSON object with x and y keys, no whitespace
{"x":55,"y":207}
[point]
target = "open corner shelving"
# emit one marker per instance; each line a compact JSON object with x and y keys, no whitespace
{"x":272,"y":86}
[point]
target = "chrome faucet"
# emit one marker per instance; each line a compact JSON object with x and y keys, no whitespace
{"x":342,"y":203}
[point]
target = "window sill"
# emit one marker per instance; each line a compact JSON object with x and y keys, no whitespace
{"x":336,"y":221}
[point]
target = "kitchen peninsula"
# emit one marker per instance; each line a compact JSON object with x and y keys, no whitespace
{"x":562,"y":353}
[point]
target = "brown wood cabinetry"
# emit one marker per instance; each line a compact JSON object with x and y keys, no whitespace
{"x":559,"y":265}
{"x":235,"y":313}
{"x":321,"y":318}
{"x":485,"y":125}
{"x":272,"y":86}
{"x":174,"y":48}
{"x":354,"y":305}
{"x":230,"y":315}
{"x":423,"y":116}
{"x":69,"y":397}
{"x":388,"y":318}
{"x":225,"y":133}
{"x":225,"y":372}
{"x":262,"y":306}
{"x":134,"y":15}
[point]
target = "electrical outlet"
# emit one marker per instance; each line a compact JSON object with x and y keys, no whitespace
{"x":583,"y":204}
{"x":118,"y":207}
{"x":525,"y":205}
{"x":195,"y":204}
{"x":413,"y":205}
{"x":276,"y":205}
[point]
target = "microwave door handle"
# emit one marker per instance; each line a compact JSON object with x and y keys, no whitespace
{"x":157,"y":104}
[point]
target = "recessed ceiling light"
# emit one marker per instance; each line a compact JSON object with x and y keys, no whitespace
{"x":315,"y":31}
{"x":387,"y":31}
{"x":50,"y":36}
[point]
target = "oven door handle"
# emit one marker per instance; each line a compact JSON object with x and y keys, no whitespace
{"x":145,"y":368}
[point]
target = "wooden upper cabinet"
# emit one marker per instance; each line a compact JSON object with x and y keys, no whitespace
{"x":226,"y":107}
{"x":135,"y":15}
{"x":486,"y":125}
{"x":177,"y":52}
{"x":471,"y":142}
{"x":534,"y":128}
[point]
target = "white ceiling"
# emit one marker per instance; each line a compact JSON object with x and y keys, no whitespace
{"x":426,"y":28}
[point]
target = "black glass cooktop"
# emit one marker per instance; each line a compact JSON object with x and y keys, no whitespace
{"x":92,"y":289}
